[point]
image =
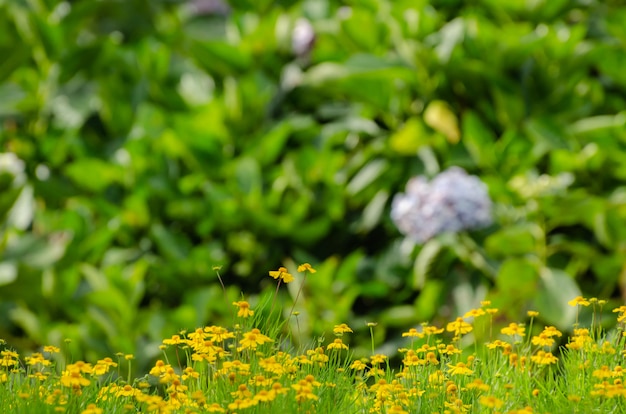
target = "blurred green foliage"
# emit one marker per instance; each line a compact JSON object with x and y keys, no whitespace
{"x":161,"y":138}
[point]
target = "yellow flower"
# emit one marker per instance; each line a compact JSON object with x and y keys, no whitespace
{"x":92,"y":409}
{"x":341,"y":329}
{"x":621,"y":309}
{"x":9,"y":358}
{"x":73,"y":378}
{"x":318,"y":355}
{"x":378,"y":359}
{"x":281,"y":274}
{"x":253,"y":339}
{"x":436,"y":377}
{"x":607,"y":348}
{"x":432,"y":358}
{"x":542,"y":340}
{"x":478,"y":384}
{"x":159,"y":368}
{"x":456,"y":406}
{"x":513,"y":329}
{"x":278,"y":389}
{"x":264,"y":396}
{"x":260,"y":380}
{"x":459,"y":327}
{"x":217,"y":333}
{"x":603,"y":372}
{"x":622,"y":313}
{"x":127,"y":391}
{"x":525,"y":410}
{"x":81,"y":366}
{"x":544,"y":358}
{"x":448,"y":349}
{"x":459,"y":369}
{"x":358,"y":365}
{"x":474,"y":313}
{"x":311,"y":380}
{"x":431,"y":330}
{"x":498,"y":344}
{"x":51,"y":349}
{"x":304,"y":267}
{"x":532,"y":314}
{"x":37,"y":358}
{"x":244,"y":309}
{"x":174,"y":340}
{"x":189,"y":372}
{"x":103,"y":365}
{"x":337,"y":344}
{"x":490,"y":401}
{"x":214,"y":408}
{"x":425,"y":347}
{"x":578,"y":300}
{"x":412,"y":359}
{"x":580,"y":338}
{"x":397,"y":409}
{"x":304,"y":391}
{"x":242,"y":392}
{"x":242,"y":404}
{"x":413,"y":333}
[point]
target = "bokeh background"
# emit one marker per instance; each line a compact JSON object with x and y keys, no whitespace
{"x":145,"y":143}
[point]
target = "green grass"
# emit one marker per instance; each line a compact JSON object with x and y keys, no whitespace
{"x":251,"y":367}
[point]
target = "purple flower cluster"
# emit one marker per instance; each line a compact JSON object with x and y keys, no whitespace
{"x":453,"y":201}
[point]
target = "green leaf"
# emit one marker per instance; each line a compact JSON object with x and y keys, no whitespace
{"x":599,"y":125}
{"x":424,"y":262}
{"x":367,"y":78}
{"x":169,"y":244}
{"x":37,"y":252}
{"x":93,"y":174}
{"x":365,"y":39}
{"x":556,"y":288}
{"x":12,"y":96}
{"x":398,"y":316}
{"x":273,"y":142}
{"x":439,"y":116}
{"x":22,"y":211}
{"x":450,"y":36}
{"x":30,"y":322}
{"x":479,"y":140}
{"x":373,"y":211}
{"x":366,"y":176}
{"x":115,"y":304}
{"x":249,"y":179}
{"x":96,"y":279}
{"x":8,"y":273}
{"x":547,"y":135}
{"x":410,"y":137}
{"x":221,"y":58}
{"x":514,"y":240}
{"x":517,"y":278}
{"x":429,"y":300}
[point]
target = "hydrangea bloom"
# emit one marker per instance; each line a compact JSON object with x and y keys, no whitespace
{"x":453,"y":201}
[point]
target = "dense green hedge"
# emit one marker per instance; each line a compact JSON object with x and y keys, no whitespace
{"x":158,"y":142}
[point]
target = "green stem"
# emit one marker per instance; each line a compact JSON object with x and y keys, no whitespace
{"x":298,"y":295}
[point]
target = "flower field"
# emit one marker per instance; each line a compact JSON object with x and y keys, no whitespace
{"x":252,"y":367}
